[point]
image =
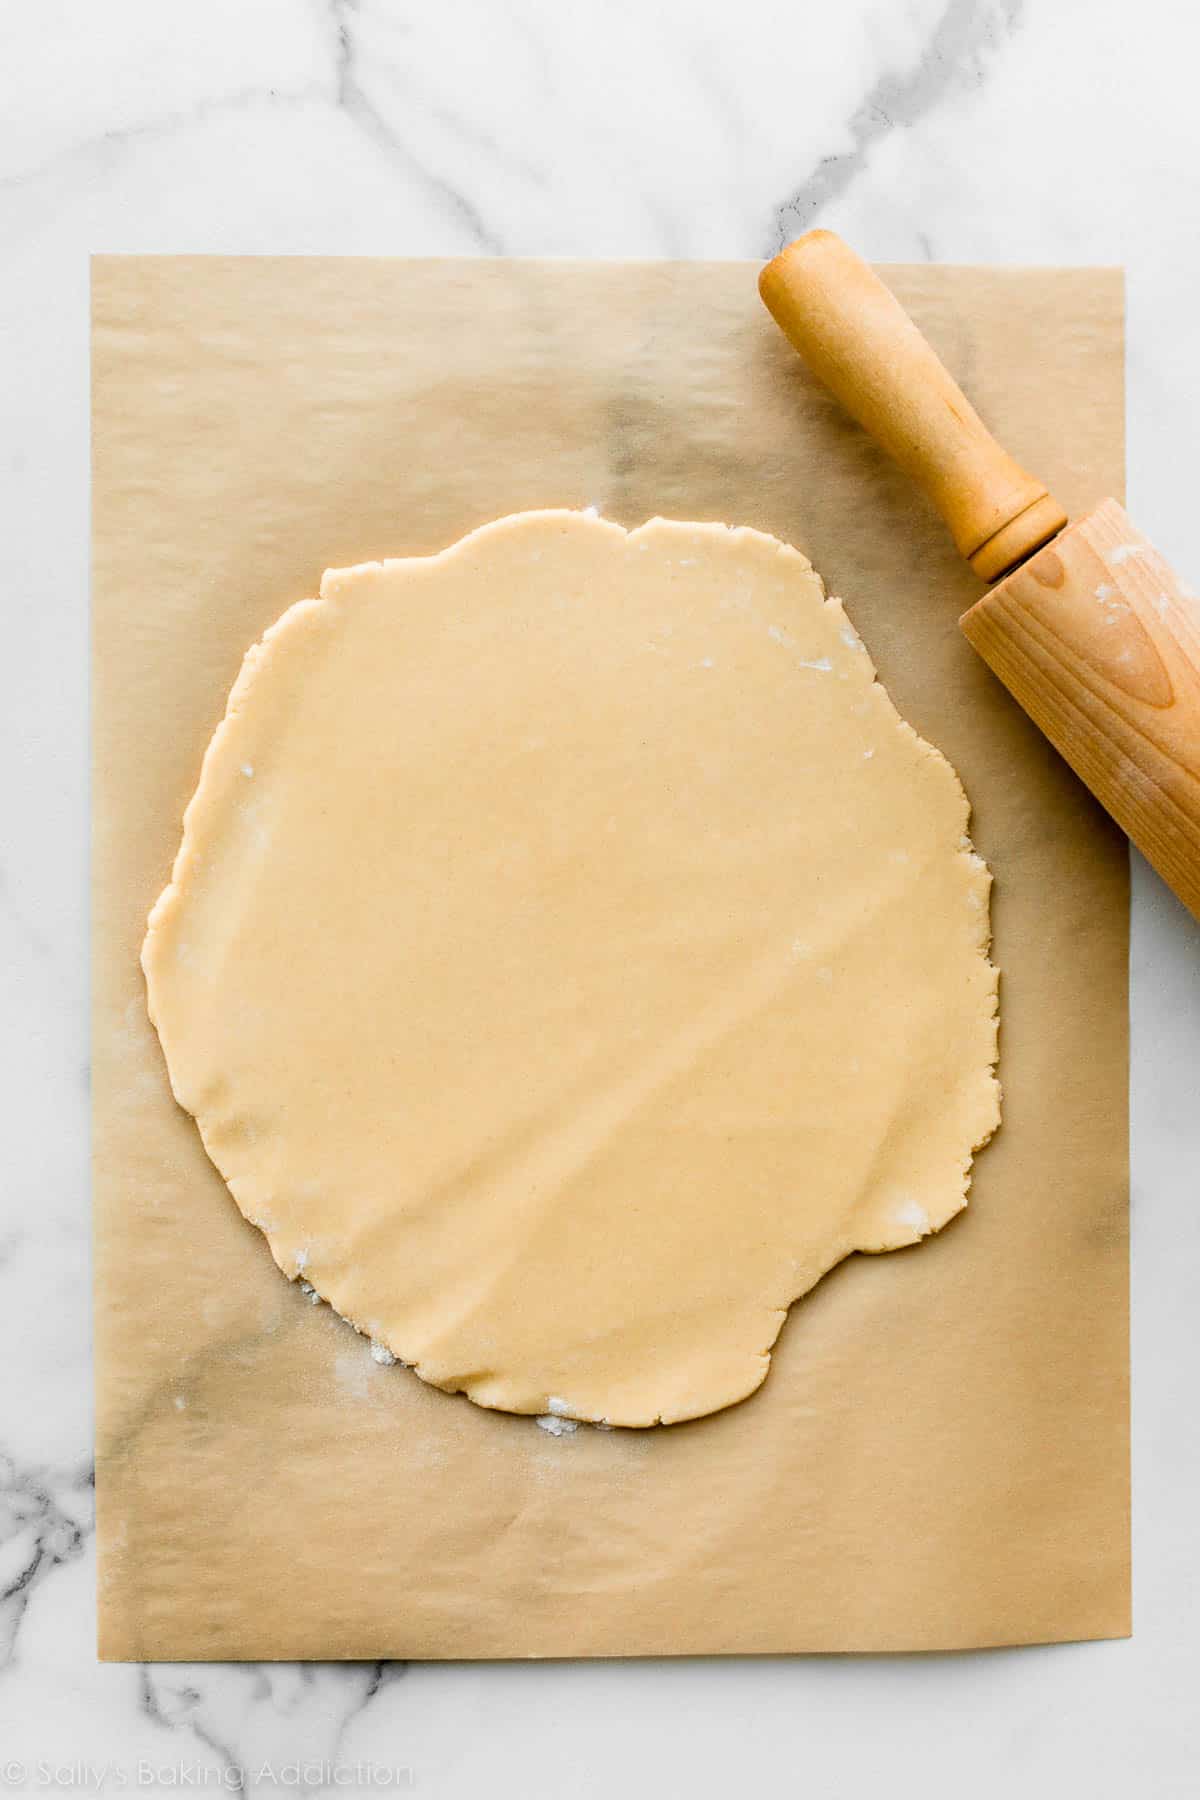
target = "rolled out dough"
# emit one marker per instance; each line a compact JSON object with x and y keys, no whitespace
{"x":571,"y":955}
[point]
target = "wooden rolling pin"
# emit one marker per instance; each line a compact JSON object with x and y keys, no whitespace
{"x":1089,"y":628}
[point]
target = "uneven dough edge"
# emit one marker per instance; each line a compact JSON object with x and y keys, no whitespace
{"x":334,"y":588}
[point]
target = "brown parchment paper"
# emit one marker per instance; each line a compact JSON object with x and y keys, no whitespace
{"x":940,"y":1454}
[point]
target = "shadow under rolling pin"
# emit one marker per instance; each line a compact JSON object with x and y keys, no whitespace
{"x":1088,"y":626}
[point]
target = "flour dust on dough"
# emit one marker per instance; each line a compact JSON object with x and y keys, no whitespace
{"x":572,"y":955}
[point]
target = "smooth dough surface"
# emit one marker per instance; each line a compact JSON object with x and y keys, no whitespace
{"x":571,"y":955}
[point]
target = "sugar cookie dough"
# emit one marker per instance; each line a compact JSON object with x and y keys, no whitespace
{"x":571,"y":955}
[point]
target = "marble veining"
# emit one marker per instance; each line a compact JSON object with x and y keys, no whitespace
{"x":954,"y":57}
{"x":969,"y":130}
{"x":46,"y":1519}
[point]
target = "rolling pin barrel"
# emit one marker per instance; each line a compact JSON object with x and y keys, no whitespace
{"x":857,"y":338}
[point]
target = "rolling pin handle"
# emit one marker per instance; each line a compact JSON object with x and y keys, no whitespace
{"x":854,"y":335}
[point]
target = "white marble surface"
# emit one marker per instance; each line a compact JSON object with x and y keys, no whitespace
{"x":986,"y":130}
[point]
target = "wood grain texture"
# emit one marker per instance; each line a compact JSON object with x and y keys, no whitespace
{"x":1099,"y":640}
{"x":857,"y":338}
